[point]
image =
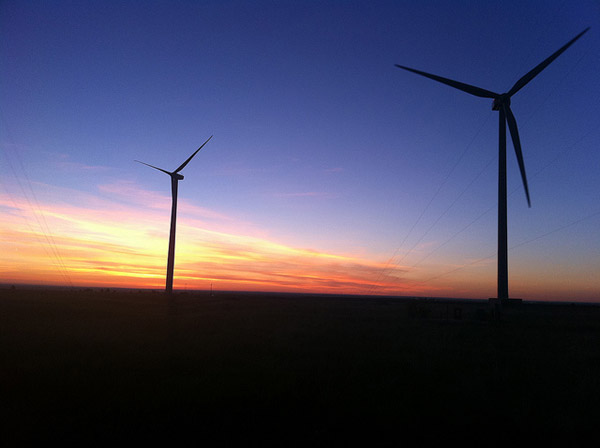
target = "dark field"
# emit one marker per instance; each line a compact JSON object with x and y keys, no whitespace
{"x":290,"y":370}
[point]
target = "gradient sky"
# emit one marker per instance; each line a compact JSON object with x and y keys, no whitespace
{"x":330,"y":170}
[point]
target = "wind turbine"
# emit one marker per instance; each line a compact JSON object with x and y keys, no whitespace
{"x":175,"y":178}
{"x":501,"y":103}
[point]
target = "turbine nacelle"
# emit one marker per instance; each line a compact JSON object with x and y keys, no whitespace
{"x":175,"y":174}
{"x":501,"y":100}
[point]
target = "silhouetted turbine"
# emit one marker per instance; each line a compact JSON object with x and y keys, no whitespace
{"x":175,"y":177}
{"x":502,"y":105}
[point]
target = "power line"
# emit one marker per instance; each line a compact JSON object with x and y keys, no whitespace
{"x":522,"y":243}
{"x":449,"y":207}
{"x":537,"y":173}
{"x":37,"y":213}
{"x":386,"y":267}
{"x":487,"y":211}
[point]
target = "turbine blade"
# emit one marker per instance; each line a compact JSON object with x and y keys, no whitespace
{"x":514,"y":133}
{"x":477,"y":91}
{"x":152,"y":166}
{"x":542,"y":65}
{"x":190,"y":157}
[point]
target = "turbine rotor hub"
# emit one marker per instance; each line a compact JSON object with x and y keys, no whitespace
{"x":500,"y":100}
{"x":178,"y":176}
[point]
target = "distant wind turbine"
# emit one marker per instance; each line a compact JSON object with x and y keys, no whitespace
{"x":502,"y":105}
{"x":175,"y":177}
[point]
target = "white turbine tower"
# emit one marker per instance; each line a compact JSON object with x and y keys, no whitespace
{"x":175,"y":178}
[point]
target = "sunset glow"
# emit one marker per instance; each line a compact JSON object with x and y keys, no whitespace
{"x":95,"y":247}
{"x":330,"y":170}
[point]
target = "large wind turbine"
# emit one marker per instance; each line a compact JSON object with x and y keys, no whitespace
{"x":502,"y":105}
{"x":175,"y":178}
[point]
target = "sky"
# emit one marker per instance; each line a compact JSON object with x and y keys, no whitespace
{"x":329,"y":171}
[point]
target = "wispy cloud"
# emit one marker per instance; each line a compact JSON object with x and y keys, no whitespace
{"x":240,"y":171}
{"x":78,"y":167}
{"x":63,"y":162}
{"x":131,"y":193}
{"x":306,"y":194}
{"x":103,"y":242}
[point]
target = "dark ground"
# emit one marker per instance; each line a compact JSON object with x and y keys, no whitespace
{"x":104,"y":366}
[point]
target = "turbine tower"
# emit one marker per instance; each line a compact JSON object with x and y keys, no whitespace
{"x":501,"y":103}
{"x":175,"y":178}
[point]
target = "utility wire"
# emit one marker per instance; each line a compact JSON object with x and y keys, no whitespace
{"x":554,"y":160}
{"x":523,"y":243}
{"x":448,"y":208}
{"x":537,"y":173}
{"x":391,"y":259}
{"x":37,"y":213}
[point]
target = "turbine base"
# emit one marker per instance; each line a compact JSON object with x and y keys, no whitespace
{"x":509,"y":303}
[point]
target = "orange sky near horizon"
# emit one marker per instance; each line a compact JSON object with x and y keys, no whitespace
{"x":110,"y":245}
{"x":119,"y":237}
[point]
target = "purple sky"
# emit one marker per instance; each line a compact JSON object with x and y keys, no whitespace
{"x":319,"y":141}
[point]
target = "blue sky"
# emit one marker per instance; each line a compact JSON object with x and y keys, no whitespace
{"x":320,"y":143}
